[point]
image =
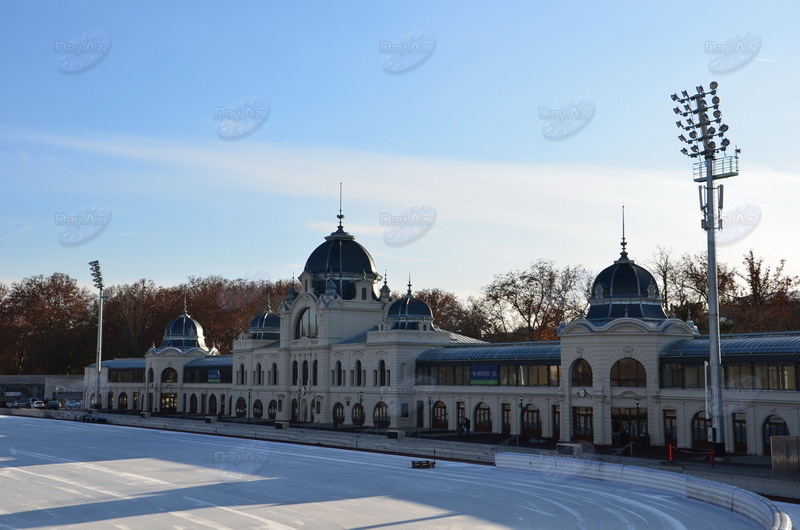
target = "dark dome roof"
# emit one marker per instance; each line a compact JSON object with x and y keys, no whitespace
{"x":265,"y":321}
{"x":340,"y":256}
{"x":184,"y":333}
{"x":409,"y":308}
{"x":625,"y":290}
{"x":266,"y":326}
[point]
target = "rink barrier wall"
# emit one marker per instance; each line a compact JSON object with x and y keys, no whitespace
{"x":743,"y":502}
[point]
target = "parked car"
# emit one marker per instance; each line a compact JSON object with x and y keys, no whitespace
{"x":22,"y":404}
{"x":38,"y":404}
{"x":53,"y":404}
{"x":73,"y":405}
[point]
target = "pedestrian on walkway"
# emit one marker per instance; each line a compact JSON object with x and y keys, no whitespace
{"x":466,"y":425}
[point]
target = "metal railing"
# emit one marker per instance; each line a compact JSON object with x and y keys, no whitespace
{"x":618,"y":453}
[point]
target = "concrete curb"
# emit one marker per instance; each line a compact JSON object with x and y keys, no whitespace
{"x":745,"y":503}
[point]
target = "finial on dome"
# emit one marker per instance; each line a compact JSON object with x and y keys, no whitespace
{"x":185,"y":312}
{"x":340,"y":216}
{"x":623,"y":254}
{"x":409,"y":284}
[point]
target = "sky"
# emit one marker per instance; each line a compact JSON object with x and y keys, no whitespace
{"x":180,"y":139}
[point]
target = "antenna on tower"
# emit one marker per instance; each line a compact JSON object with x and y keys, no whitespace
{"x":340,"y":216}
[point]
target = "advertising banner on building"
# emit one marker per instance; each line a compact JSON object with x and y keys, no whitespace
{"x":483,"y":375}
{"x":214,"y":376}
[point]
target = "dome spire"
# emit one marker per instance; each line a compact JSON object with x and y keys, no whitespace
{"x":623,"y":254}
{"x":409,"y":284}
{"x":340,"y":216}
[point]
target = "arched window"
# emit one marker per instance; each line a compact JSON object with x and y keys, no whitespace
{"x":274,"y":374}
{"x":314,"y":367}
{"x":305,"y":373}
{"x":363,"y":293}
{"x":169,"y":375}
{"x":259,"y":375}
{"x":439,"y":415}
{"x":380,"y":416}
{"x":382,"y":373}
{"x":241,"y":407}
{"x":306,"y":324}
{"x":338,"y":414}
{"x":773,"y":426}
{"x":358,"y":414}
{"x":212,"y":404}
{"x":628,"y":372}
{"x":242,"y":375}
{"x":193,"y":404}
{"x":581,"y":373}
{"x":294,"y":372}
{"x":483,"y":418}
{"x":123,"y":401}
{"x":272,"y":410}
{"x":258,"y":409}
{"x":359,"y":377}
{"x":338,"y":374}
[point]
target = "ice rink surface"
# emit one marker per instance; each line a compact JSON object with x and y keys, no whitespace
{"x":66,"y":474}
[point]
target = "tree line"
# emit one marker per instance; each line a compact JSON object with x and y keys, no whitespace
{"x":48,"y":325}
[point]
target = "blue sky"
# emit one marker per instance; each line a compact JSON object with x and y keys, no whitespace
{"x":439,"y":117}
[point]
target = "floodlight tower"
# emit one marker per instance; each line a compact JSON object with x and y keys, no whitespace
{"x":98,"y":282}
{"x":704,"y":125}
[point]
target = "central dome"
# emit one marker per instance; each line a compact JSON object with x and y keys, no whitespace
{"x":625,"y":290}
{"x":340,"y":256}
{"x":184,"y":333}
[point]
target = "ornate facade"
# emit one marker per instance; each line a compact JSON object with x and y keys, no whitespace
{"x":341,"y":352}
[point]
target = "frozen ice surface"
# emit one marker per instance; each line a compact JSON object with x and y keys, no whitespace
{"x":59,"y":474}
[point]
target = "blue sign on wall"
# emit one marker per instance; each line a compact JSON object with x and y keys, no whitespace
{"x":214,"y":376}
{"x":483,"y":375}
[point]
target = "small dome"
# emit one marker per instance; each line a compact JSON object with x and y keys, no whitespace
{"x":267,"y":325}
{"x":625,"y":290}
{"x":265,"y":321}
{"x":184,"y":333}
{"x":409,"y":307}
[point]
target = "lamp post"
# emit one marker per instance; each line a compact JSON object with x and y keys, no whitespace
{"x":522,"y":408}
{"x":637,"y":420}
{"x":704,"y":124}
{"x":249,"y":397}
{"x":98,"y":282}
{"x":430,"y":413}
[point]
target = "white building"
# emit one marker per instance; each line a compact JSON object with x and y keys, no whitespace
{"x":341,"y":352}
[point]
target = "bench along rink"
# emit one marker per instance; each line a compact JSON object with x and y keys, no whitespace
{"x":57,"y":474}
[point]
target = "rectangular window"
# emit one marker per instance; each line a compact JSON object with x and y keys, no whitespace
{"x":554,"y":375}
{"x":693,"y":376}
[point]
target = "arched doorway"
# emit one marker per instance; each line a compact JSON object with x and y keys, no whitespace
{"x":241,"y":407}
{"x":440,"y":415}
{"x":773,"y":426}
{"x":358,"y":414}
{"x":193,"y":404}
{"x":700,"y":426}
{"x":295,"y":410}
{"x":212,"y":404}
{"x":122,"y":402}
{"x":338,"y":414}
{"x":483,"y":418}
{"x":380,"y":416}
{"x":258,"y":409}
{"x":272,"y":410}
{"x":531,"y":422}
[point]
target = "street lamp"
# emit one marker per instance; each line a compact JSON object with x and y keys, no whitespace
{"x":522,"y":408}
{"x":98,"y":282}
{"x":637,"y":420}
{"x":430,"y":413}
{"x":704,"y":126}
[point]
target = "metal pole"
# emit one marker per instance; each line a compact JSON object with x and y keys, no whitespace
{"x":715,"y":354}
{"x":99,"y":350}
